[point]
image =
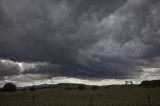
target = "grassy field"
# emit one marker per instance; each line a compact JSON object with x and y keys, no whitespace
{"x":113,"y":96}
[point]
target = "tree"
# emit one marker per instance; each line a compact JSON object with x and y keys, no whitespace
{"x":129,"y":83}
{"x":9,"y":87}
{"x":152,"y":83}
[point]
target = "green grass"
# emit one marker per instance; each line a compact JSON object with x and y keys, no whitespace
{"x":114,"y":96}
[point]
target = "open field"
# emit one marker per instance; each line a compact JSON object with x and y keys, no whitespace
{"x":113,"y":96}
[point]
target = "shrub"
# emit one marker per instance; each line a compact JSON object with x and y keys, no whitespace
{"x":9,"y":87}
{"x":32,"y":88}
{"x":123,"y":86}
{"x":73,"y":88}
{"x":82,"y":87}
{"x":68,"y":88}
{"x":106,"y":87}
{"x":95,"y":87}
{"x":23,"y":89}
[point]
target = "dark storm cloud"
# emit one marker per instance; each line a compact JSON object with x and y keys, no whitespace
{"x":81,"y":38}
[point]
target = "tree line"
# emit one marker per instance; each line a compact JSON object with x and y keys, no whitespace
{"x":10,"y":87}
{"x":152,"y":83}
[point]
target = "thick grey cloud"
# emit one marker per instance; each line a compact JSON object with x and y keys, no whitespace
{"x":8,"y":68}
{"x":81,"y":38}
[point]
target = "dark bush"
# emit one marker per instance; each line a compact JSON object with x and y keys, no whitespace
{"x":73,"y":88}
{"x":95,"y":87}
{"x":106,"y":87}
{"x":9,"y":87}
{"x":23,"y":89}
{"x":123,"y":86}
{"x":68,"y":88}
{"x":81,"y":87}
{"x":32,"y":88}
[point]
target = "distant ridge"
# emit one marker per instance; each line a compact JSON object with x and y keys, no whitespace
{"x":44,"y":86}
{"x":145,"y":83}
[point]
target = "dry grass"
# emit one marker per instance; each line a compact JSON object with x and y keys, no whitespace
{"x":115,"y":96}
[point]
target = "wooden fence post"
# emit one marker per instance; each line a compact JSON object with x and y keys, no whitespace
{"x":33,"y":99}
{"x":149,"y":99}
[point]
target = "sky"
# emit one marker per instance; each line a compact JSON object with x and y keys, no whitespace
{"x":79,"y":41}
